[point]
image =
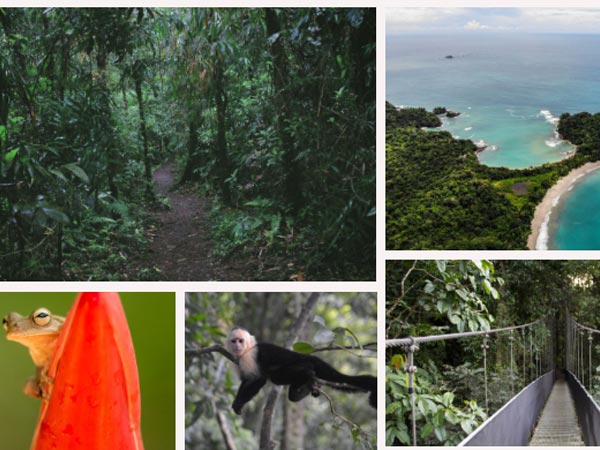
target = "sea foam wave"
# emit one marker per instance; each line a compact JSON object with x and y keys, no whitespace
{"x":555,"y":141}
{"x":548,"y":116}
{"x":542,"y":240}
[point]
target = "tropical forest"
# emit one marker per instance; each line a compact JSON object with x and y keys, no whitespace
{"x":440,"y":197}
{"x":338,"y":328}
{"x":467,"y":336}
{"x":187,"y":144}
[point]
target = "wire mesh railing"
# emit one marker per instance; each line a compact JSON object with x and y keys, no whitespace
{"x":580,"y":352}
{"x":536,"y":345}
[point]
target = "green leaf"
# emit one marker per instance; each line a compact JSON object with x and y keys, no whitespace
{"x":2,"y":132}
{"x":429,"y":287}
{"x":450,"y":416}
{"x":58,"y":174}
{"x":448,"y":398}
{"x":303,"y":347}
{"x":391,"y":408}
{"x":441,"y":265}
{"x":11,"y":155}
{"x":467,"y":426}
{"x":427,"y":430}
{"x":78,"y":172}
{"x":56,"y":215}
{"x":441,"y":434}
{"x":403,"y":437}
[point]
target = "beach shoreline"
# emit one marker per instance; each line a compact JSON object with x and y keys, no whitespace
{"x":544,"y":209}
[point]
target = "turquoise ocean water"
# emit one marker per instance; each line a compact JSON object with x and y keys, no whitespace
{"x":577,"y":223}
{"x":510,"y":89}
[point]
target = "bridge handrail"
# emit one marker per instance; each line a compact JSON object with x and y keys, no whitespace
{"x":443,"y":337}
{"x":411,"y":345}
{"x":584,"y":327}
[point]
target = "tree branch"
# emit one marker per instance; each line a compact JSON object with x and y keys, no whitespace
{"x":371,"y":346}
{"x":353,"y":426}
{"x":212,"y":349}
{"x":227,"y":437}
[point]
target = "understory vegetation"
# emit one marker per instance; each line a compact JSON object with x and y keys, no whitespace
{"x":426,"y":298}
{"x":438,"y":195}
{"x":268,"y":113}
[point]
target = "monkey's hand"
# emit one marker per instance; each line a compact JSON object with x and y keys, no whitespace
{"x":315,"y":392}
{"x":237,"y":408}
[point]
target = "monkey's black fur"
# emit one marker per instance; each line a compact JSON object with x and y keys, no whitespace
{"x":299,"y":371}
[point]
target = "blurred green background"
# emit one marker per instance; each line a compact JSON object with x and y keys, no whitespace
{"x":151,"y":318}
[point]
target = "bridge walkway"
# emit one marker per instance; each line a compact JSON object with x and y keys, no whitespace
{"x":558,"y":426}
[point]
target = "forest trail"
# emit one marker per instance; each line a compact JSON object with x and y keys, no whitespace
{"x":182,"y":246}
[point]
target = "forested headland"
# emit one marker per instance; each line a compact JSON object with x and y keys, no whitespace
{"x":427,"y":298}
{"x":265,"y":115}
{"x":438,"y":195}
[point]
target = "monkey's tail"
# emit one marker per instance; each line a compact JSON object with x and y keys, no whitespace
{"x":366,"y":383}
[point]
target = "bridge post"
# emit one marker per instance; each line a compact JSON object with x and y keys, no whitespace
{"x":524,"y":355}
{"x":531,"y":366}
{"x":590,"y":339}
{"x":411,"y":369}
{"x":484,"y":346}
{"x":581,"y":371}
{"x":511,"y":338}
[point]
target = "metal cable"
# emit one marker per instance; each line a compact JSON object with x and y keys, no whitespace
{"x":444,"y":337}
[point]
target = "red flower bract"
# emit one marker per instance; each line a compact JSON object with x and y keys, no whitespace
{"x":94,"y":398}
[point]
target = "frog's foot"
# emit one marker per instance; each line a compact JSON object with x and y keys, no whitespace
{"x":39,"y":388}
{"x":33,"y":388}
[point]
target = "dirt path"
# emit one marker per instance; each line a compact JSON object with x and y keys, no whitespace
{"x":182,"y":247}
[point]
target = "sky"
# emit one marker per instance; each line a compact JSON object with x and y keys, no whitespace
{"x":486,"y":20}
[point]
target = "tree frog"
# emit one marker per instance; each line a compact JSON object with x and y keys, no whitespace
{"x":39,"y":332}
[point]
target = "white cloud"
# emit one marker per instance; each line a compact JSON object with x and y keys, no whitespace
{"x":400,"y":20}
{"x":475,"y":25}
{"x":572,"y":19}
{"x":528,"y":20}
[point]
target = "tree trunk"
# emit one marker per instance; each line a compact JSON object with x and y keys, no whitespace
{"x":292,"y":182}
{"x":112,"y":163}
{"x":3,"y":109}
{"x":144,"y":135}
{"x":192,"y":158}
{"x":64,"y":66}
{"x":223,"y":168}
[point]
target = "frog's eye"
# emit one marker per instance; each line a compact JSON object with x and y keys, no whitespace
{"x":41,"y":317}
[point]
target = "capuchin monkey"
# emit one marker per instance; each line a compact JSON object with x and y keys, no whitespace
{"x":259,"y":362}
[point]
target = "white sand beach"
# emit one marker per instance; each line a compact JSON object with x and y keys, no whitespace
{"x":542,"y":213}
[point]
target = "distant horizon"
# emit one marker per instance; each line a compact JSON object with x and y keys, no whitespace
{"x":482,"y":21}
{"x":491,"y":33}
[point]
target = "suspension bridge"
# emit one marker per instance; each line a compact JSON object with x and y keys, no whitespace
{"x":554,"y":409}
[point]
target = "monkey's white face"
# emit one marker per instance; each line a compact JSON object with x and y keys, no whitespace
{"x":237,"y":344}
